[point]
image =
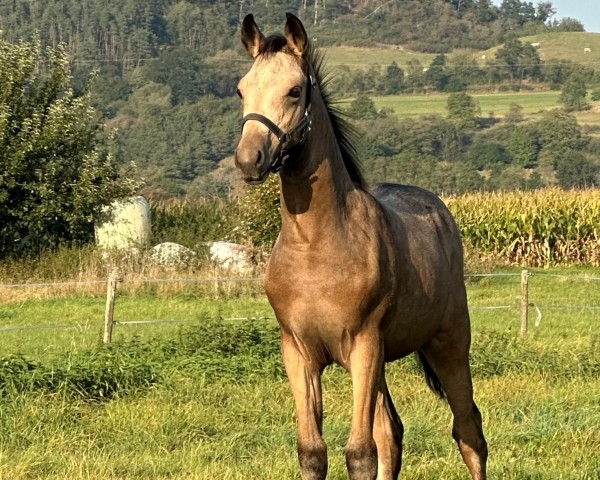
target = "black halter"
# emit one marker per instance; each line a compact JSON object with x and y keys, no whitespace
{"x":299,"y":132}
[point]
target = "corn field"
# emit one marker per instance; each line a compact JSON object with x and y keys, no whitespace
{"x":534,"y":228}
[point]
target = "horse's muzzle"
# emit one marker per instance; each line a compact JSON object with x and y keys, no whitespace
{"x":251,"y":164}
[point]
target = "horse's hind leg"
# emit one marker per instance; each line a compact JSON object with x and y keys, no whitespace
{"x":387,"y":432}
{"x":450,"y":361}
{"x":305,"y":380}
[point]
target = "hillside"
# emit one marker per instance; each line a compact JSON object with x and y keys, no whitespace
{"x":552,"y":46}
{"x":562,"y":46}
{"x":168,"y":71}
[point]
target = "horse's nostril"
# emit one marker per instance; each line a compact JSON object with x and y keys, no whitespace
{"x":259,"y":159}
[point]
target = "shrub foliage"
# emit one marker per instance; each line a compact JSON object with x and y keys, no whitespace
{"x":55,"y":176}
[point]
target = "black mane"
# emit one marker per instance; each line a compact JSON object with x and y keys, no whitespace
{"x":344,"y":131}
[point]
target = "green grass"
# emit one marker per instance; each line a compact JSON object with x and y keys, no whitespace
{"x":210,"y":401}
{"x":562,"y":46}
{"x":498,"y":103}
{"x":553,"y":46}
{"x":84,"y":317}
{"x":364,"y":57}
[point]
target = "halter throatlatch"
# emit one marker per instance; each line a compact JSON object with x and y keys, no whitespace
{"x":299,"y":133}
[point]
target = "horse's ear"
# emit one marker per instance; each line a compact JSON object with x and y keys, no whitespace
{"x":252,"y":37}
{"x":296,"y":36}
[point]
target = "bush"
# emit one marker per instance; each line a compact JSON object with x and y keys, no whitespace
{"x":259,"y":217}
{"x":56,"y":171}
{"x":193,"y":223}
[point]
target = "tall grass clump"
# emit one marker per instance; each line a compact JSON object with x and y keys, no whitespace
{"x":534,"y":228}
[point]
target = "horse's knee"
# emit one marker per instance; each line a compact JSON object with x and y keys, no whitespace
{"x":361,"y":461}
{"x":313,"y":461}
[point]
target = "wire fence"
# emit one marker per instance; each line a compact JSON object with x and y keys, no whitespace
{"x":524,"y":305}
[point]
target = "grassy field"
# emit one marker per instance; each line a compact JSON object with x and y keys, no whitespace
{"x":205,"y":400}
{"x":533,"y":104}
{"x":553,"y":46}
{"x":498,"y":103}
{"x":365,"y":57}
{"x":562,"y":46}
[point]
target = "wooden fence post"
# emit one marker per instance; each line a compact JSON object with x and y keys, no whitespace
{"x":524,"y":301}
{"x":109,"y":313}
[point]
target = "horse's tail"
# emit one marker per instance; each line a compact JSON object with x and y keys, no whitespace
{"x":431,"y":378}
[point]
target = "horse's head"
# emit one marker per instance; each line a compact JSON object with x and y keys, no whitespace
{"x":276,"y":96}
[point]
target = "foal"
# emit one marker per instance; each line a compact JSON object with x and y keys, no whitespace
{"x":358,"y":276}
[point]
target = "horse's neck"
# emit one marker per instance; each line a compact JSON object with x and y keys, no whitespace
{"x":314,"y":204}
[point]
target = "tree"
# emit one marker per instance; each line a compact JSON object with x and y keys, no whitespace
{"x":573,"y":94}
{"x":55,"y":173}
{"x":436,"y":75}
{"x":575,"y":171}
{"x":393,"y":80}
{"x":514,"y":114}
{"x":556,"y":72}
{"x":489,"y":155}
{"x":517,"y":11}
{"x":363,"y":107}
{"x":485,"y":11}
{"x":414,"y":79}
{"x":545,"y":11}
{"x":568,"y":24}
{"x":520,"y":60}
{"x":558,"y":135}
{"x":189,"y":77}
{"x":523,"y":146}
{"x":462,"y":110}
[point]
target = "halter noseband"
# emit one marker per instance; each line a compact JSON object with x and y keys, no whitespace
{"x":300,"y":131}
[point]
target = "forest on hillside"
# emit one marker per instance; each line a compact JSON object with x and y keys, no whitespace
{"x":163,"y":73}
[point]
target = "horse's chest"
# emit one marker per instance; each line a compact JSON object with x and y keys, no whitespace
{"x":320,"y":289}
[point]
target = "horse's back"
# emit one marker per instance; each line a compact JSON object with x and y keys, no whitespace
{"x":423,"y":219}
{"x":409,"y":200}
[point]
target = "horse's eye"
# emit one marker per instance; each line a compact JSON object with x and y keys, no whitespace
{"x":295,"y":92}
{"x":239,"y":93}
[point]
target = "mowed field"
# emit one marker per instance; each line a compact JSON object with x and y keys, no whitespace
{"x":533,"y":104}
{"x":213,"y":403}
{"x":497,"y":103}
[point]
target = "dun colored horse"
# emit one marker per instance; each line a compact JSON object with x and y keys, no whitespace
{"x":358,"y":276}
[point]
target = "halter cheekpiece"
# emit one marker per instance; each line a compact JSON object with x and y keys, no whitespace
{"x":300,"y":131}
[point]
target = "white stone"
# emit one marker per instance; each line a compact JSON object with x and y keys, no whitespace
{"x":170,"y":254}
{"x":231,"y":256}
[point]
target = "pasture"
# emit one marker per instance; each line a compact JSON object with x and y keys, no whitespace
{"x":568,"y":46}
{"x":207,"y":399}
{"x":363,"y":58}
{"x":496,"y":103}
{"x":490,"y":104}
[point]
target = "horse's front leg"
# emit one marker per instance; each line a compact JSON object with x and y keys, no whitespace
{"x":366,"y":368}
{"x":304,"y":374}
